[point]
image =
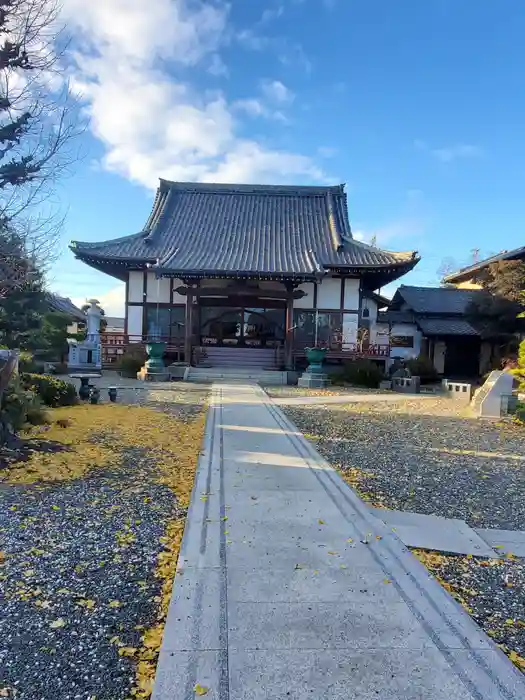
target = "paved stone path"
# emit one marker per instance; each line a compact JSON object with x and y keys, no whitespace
{"x":289,"y":587}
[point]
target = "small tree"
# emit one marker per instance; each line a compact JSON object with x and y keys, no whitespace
{"x":21,"y":313}
{"x":498,"y":312}
{"x":54,"y":336}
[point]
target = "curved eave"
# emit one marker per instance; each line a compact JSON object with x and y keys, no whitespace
{"x":392,"y":271}
{"x":406,"y":265}
{"x":116,"y":267}
{"x":240,"y":275}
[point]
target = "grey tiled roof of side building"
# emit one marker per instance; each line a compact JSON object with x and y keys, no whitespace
{"x":65,"y":305}
{"x":250,"y":228}
{"x":436,"y":300}
{"x":445,"y":326}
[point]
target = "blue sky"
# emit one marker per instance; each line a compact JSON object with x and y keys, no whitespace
{"x":417,"y":106}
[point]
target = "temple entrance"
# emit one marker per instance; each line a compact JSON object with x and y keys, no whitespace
{"x":243,"y":326}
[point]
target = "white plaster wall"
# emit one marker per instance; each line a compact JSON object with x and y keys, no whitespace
{"x":178,"y":298}
{"x":135,"y":323}
{"x":406,"y":329}
{"x":371,"y":305}
{"x":379,"y":334}
{"x":307,"y":302}
{"x":350,"y":326}
{"x":351,"y":300}
{"x":135,"y":286}
{"x":440,"y":350}
{"x":157,"y":289}
{"x":329,"y":293}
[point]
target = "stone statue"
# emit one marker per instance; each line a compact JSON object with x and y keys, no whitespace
{"x":87,"y":354}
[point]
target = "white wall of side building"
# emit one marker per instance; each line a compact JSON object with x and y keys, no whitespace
{"x":406,"y":329}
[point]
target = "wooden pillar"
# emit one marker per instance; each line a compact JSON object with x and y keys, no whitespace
{"x":288,"y":343}
{"x":188,"y":327}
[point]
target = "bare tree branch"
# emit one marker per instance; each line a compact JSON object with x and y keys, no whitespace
{"x":39,"y":120}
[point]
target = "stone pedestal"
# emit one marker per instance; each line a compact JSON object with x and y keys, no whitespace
{"x":154,"y":369}
{"x":313,"y":381}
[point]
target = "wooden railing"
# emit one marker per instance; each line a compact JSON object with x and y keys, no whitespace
{"x":337,"y":344}
{"x":115,"y":344}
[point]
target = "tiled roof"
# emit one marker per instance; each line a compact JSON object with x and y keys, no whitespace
{"x":445,"y":326}
{"x":466,"y":272}
{"x":272,"y":230}
{"x":435,"y":300}
{"x":65,"y":306}
{"x":393,"y":316}
{"x":114,"y":322}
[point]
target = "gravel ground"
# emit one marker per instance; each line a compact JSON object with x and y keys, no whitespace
{"x":281,"y":392}
{"x":432,"y":458}
{"x":425,"y":457}
{"x":491,"y":591}
{"x":79,"y":568}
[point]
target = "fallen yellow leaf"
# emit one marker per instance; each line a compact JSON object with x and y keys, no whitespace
{"x":57,"y":623}
{"x":200,"y":689}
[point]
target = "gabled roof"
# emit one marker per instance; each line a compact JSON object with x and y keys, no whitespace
{"x":65,"y":306}
{"x":435,"y":300}
{"x":467,"y":272}
{"x":276,"y":231}
{"x":394,"y":316}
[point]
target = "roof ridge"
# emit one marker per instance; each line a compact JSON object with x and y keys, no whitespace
{"x":241,"y":188}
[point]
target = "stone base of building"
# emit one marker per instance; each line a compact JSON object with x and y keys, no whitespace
{"x":313,"y":381}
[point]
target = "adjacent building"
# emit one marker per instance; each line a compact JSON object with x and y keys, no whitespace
{"x":434,"y":321}
{"x":64,"y":305}
{"x":222,"y":271}
{"x":469,"y":277}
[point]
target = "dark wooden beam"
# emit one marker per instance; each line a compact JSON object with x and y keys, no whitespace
{"x":289,"y":337}
{"x":239,"y":291}
{"x":188,"y":328}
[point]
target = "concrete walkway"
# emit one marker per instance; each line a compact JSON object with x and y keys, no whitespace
{"x":289,"y":587}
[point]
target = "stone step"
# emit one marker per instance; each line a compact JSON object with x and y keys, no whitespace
{"x":211,"y":374}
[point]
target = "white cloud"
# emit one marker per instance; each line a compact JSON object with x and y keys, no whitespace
{"x":391,"y":234}
{"x":276,"y":91}
{"x":270,"y":14}
{"x":447,"y":154}
{"x":112,"y":301}
{"x":217,"y":66}
{"x":127,"y":57}
{"x":254,"y":107}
